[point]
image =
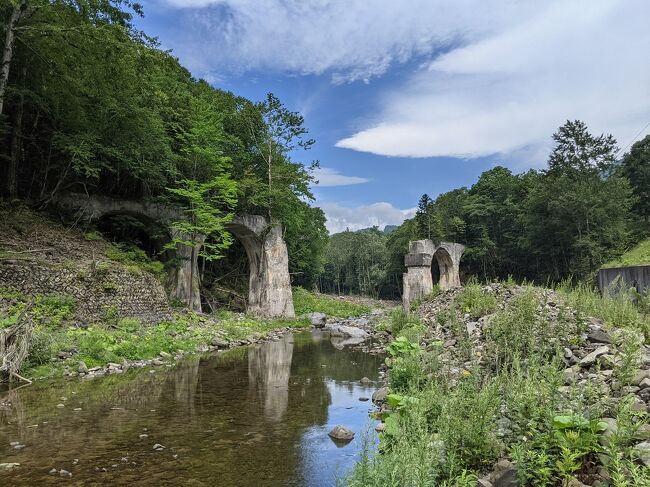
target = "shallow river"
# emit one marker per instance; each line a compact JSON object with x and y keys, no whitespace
{"x":256,"y":416}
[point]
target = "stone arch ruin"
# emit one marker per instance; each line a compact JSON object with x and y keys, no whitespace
{"x":269,"y":292}
{"x":417,"y":280}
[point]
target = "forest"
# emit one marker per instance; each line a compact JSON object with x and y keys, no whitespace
{"x":589,"y":205}
{"x":90,"y":104}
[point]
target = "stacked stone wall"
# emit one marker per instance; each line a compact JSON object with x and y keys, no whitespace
{"x":103,"y":290}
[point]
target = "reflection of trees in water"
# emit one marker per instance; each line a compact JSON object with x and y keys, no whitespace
{"x":269,"y":368}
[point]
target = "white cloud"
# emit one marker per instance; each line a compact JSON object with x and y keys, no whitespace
{"x":380,"y":214}
{"x":348,"y":39}
{"x":507,"y":92}
{"x":327,"y":176}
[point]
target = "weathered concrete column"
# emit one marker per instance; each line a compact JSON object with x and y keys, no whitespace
{"x":417,"y":281}
{"x":269,"y":292}
{"x":181,"y":275}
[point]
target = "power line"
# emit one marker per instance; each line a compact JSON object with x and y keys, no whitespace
{"x":633,"y":139}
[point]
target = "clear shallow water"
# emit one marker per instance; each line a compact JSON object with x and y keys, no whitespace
{"x":255,"y":416}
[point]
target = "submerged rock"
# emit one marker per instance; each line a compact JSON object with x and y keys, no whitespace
{"x":4,"y":467}
{"x":341,"y":433}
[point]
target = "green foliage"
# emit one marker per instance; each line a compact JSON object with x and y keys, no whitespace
{"x":401,"y":347}
{"x":639,"y":255}
{"x":305,"y":302}
{"x":134,"y":258}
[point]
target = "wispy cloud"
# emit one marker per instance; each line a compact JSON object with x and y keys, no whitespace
{"x":340,"y":218}
{"x":507,"y":92}
{"x":348,"y":39}
{"x":327,"y":176}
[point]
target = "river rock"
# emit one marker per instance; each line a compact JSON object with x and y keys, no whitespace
{"x":379,"y":396}
{"x":341,"y":433}
{"x":348,"y":331}
{"x":5,"y":467}
{"x":642,"y":452}
{"x":318,"y":319}
{"x":365,"y":381}
{"x":219,"y":342}
{"x":165,"y":355}
{"x":598,"y":336}
{"x":158,"y":447}
{"x":589,"y":359}
{"x":83,"y":368}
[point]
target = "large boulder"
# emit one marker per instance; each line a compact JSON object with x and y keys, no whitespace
{"x":379,"y":396}
{"x":347,"y":331}
{"x":319,"y":320}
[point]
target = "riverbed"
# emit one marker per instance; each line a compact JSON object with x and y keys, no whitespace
{"x":254,"y":416}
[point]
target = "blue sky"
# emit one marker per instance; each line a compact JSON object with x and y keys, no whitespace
{"x":420,"y":96}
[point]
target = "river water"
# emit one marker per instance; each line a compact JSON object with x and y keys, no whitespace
{"x":256,"y":416}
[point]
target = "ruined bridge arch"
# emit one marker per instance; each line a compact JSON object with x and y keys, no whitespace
{"x":417,"y":280}
{"x":269,"y":292}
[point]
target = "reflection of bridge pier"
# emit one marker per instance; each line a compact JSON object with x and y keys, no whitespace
{"x":269,"y":369}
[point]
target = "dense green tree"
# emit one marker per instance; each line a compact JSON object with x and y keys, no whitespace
{"x":636,"y":168}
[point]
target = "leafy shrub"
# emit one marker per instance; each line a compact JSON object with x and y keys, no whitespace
{"x":53,"y":310}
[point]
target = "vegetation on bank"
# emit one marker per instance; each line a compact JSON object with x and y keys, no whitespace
{"x":59,"y":342}
{"x":306,"y":302}
{"x":448,"y":428}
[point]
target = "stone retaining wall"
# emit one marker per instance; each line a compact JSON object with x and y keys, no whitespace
{"x":107,"y":289}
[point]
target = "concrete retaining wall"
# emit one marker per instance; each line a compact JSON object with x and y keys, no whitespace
{"x":634,"y":276}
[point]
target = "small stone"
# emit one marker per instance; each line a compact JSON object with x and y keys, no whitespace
{"x":157,"y":362}
{"x":158,"y":447}
{"x":590,"y":359}
{"x":642,"y":452}
{"x":219,"y":342}
{"x":60,"y":405}
{"x":643,"y":432}
{"x":365,"y":381}
{"x":65,"y":473}
{"x":54,"y":471}
{"x":165,"y":355}
{"x":639,"y":376}
{"x":484,"y":482}
{"x":144,"y":435}
{"x":5,"y":467}
{"x":364,"y":399}
{"x":598,"y":336}
{"x":379,"y":396}
{"x":341,"y":433}
{"x":612,"y":429}
{"x":644,"y":383}
{"x":571,"y":375}
{"x":380,"y":428}
{"x":83,"y":368}
{"x":575,"y":483}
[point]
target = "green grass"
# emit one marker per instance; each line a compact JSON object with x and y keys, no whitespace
{"x":305,"y":302}
{"x":129,"y":339}
{"x":639,"y":255}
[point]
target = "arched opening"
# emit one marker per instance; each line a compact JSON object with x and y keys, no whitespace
{"x":136,"y":230}
{"x":442,"y":268}
{"x":225,"y":281}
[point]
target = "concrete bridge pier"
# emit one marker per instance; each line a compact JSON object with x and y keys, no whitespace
{"x":417,"y":281}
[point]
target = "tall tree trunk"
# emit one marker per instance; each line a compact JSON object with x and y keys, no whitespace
{"x":16,"y":143}
{"x":8,"y":51}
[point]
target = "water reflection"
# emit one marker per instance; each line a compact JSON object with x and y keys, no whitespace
{"x":248,"y":417}
{"x":269,"y":368}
